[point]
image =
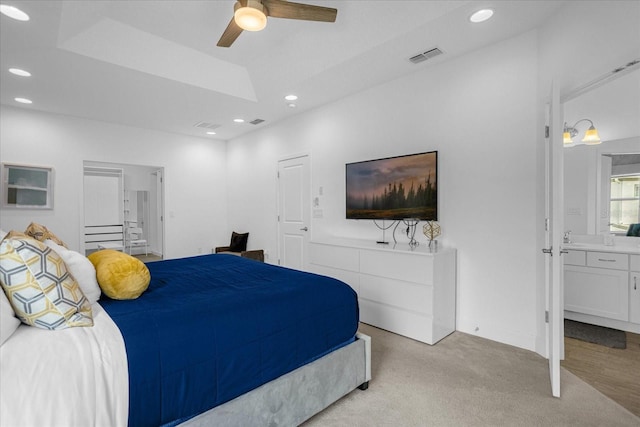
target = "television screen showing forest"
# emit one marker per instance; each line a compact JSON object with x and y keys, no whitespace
{"x":394,"y":188}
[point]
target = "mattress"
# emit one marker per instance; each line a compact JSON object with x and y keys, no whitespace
{"x":210,"y":328}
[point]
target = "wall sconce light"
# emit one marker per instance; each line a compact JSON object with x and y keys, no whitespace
{"x":590,"y":136}
{"x":251,"y":17}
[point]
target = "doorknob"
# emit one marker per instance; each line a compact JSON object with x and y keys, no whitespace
{"x":548,"y":251}
{"x":304,"y":229}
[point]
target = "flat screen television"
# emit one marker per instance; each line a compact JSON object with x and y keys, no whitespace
{"x":393,"y":188}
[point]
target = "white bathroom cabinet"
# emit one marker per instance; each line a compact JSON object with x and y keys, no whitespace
{"x":603,"y":288}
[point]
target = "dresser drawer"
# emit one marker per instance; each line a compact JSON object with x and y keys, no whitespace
{"x":575,"y":258}
{"x":403,"y":295}
{"x":608,"y":260}
{"x":404,"y":267}
{"x":335,"y":257}
{"x":634,"y":262}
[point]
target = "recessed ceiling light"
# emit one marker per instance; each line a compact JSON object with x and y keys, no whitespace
{"x":23,"y":100}
{"x":211,"y":133}
{"x":481,"y":15}
{"x":291,"y":97}
{"x":291,"y":105}
{"x":19,"y":72}
{"x":238,"y":120}
{"x":13,"y":12}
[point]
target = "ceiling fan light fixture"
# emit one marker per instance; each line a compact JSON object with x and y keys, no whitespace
{"x":250,"y":17}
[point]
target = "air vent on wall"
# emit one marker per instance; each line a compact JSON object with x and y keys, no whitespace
{"x":206,"y":125}
{"x":416,"y":59}
{"x":256,"y":121}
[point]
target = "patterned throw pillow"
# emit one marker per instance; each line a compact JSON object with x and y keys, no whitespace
{"x":39,"y":287}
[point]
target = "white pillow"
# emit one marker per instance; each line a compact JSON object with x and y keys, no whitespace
{"x":81,"y":269}
{"x":8,"y":320}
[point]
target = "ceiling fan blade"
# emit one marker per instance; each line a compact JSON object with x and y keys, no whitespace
{"x":230,"y":34}
{"x":307,"y":12}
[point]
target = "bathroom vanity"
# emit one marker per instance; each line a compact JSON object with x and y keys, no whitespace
{"x":602,"y":285}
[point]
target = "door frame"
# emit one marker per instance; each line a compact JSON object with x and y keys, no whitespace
{"x":279,"y":207}
{"x":159,"y":210}
{"x":121,"y":165}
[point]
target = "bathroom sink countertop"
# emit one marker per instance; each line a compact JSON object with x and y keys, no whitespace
{"x":624,"y":249}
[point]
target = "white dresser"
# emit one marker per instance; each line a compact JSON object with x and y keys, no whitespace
{"x":409,"y":292}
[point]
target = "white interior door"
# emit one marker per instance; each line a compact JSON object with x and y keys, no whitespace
{"x":554,"y":187}
{"x":294,"y":210}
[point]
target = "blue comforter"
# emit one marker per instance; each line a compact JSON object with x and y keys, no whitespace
{"x":213,"y":327}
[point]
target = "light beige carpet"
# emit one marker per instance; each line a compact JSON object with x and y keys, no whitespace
{"x":467,"y":381}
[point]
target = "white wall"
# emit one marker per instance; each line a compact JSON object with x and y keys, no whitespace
{"x":484,"y":113}
{"x":195,"y":174}
{"x":579,"y":188}
{"x":479,"y":112}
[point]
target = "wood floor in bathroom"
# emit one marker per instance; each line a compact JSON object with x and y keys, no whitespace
{"x":614,"y":372}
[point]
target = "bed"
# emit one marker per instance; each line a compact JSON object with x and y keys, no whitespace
{"x":214,"y":340}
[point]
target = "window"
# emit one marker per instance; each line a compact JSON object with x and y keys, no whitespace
{"x":625,"y":202}
{"x":27,"y":187}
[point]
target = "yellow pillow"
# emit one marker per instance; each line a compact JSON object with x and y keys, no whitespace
{"x":119,"y":275}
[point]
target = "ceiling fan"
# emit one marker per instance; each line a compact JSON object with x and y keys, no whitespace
{"x":251,"y":15}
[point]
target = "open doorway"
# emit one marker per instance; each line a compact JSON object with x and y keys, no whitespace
{"x":601,"y":204}
{"x":124,"y":209}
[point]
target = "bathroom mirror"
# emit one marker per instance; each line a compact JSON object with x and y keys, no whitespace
{"x":619,"y":193}
{"x":592,"y":205}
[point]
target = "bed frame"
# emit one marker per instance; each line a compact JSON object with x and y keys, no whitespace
{"x":295,"y":397}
